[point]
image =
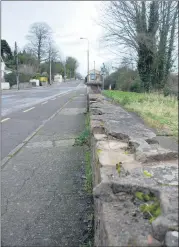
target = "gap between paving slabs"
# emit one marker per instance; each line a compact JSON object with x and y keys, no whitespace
{"x":135,"y":195}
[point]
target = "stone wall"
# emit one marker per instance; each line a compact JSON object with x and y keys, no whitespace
{"x":31,"y":84}
{"x":23,"y":85}
{"x":127,"y":161}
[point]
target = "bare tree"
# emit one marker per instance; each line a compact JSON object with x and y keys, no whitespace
{"x":148,"y":29}
{"x":27,"y":69}
{"x":53,"y":56}
{"x":53,"y":51}
{"x":38,"y":36}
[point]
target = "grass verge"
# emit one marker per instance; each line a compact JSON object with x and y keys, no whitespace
{"x":158,"y":111}
{"x":88,"y":169}
{"x":84,"y":137}
{"x":88,"y":173}
{"x":84,"y":140}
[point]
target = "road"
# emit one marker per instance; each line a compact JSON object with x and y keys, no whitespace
{"x":44,"y":201}
{"x":25,"y":110}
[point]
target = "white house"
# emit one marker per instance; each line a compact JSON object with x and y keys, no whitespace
{"x":4,"y":69}
{"x":58,"y":78}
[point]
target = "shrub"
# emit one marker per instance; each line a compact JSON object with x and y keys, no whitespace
{"x":24,"y":78}
{"x":11,"y":78}
{"x":36,"y":76}
{"x":166,"y":91}
{"x":125,"y":100}
{"x":136,"y":86}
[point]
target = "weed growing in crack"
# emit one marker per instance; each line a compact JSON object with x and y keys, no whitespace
{"x":151,"y":208}
{"x":88,"y":244}
{"x":118,"y":167}
{"x":83,"y":138}
{"x":147,"y":174}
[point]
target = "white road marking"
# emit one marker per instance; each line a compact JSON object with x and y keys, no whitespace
{"x":53,"y":99}
{"x":5,"y":119}
{"x":17,"y":107}
{"x":44,"y":102}
{"x":29,"y":109}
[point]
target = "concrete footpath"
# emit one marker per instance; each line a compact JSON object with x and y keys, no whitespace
{"x":135,"y":180}
{"x":44,"y":202}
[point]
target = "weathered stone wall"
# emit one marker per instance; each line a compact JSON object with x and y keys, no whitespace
{"x":23,"y":85}
{"x":127,"y":159}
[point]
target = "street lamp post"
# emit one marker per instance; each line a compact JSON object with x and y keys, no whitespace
{"x":17,"y":70}
{"x":50,"y":69}
{"x":103,"y":69}
{"x":87,"y":60}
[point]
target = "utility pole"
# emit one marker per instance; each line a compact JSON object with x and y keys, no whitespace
{"x":17,"y":68}
{"x":103,"y":82}
{"x":94,"y":72}
{"x":103,"y":73}
{"x":64,"y":71}
{"x":87,"y":60}
{"x":50,"y":72}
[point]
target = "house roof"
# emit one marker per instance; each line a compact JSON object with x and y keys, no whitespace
{"x":96,"y":71}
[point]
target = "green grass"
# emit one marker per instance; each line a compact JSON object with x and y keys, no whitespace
{"x":83,"y":138}
{"x":152,"y":207}
{"x":147,"y":174}
{"x":88,"y":244}
{"x":145,"y":197}
{"x":88,"y":169}
{"x":118,"y":167}
{"x":158,"y":111}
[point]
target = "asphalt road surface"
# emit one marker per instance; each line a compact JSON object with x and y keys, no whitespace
{"x":44,"y":201}
{"x":24,"y":111}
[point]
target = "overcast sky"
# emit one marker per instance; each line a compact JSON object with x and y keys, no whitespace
{"x":69,"y":21}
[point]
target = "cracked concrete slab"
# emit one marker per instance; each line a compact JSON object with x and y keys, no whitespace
{"x":49,"y":144}
{"x":72,"y":111}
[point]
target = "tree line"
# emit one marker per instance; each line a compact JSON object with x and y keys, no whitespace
{"x":35,"y":57}
{"x":148,"y":29}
